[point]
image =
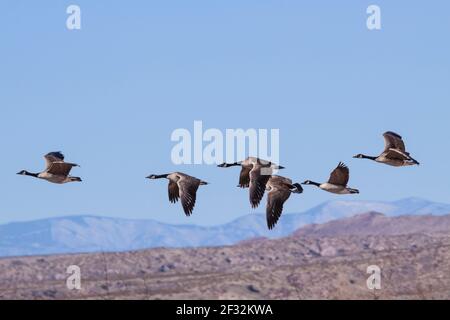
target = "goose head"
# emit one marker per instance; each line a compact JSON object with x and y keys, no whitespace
{"x":297,"y":188}
{"x":26,"y":173}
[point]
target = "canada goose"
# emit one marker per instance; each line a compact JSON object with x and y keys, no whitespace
{"x":394,"y":153}
{"x":57,"y":170}
{"x":254,"y":174}
{"x":337,"y":182}
{"x":181,"y":186}
{"x":279,"y":190}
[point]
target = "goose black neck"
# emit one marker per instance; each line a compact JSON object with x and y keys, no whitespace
{"x":368,"y":157}
{"x":235,"y":164}
{"x":161,"y":176}
{"x":31,"y":174}
{"x":315,"y":184}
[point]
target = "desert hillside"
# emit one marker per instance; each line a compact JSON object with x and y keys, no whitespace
{"x":325,"y":261}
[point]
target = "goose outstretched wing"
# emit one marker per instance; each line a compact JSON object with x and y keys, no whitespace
{"x":397,"y":154}
{"x":51,"y":157}
{"x":55,"y":164}
{"x":340,"y":175}
{"x":279,"y":193}
{"x":258,"y":183}
{"x":61,"y":168}
{"x":393,"y":140}
{"x":174,"y":192}
{"x":188,"y":187}
{"x":244,"y":177}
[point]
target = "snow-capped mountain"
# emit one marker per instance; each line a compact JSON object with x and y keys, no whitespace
{"x":91,"y":234}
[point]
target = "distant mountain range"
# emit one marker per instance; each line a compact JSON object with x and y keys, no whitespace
{"x":77,"y":234}
{"x":318,"y":261}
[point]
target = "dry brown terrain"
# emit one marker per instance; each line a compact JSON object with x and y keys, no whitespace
{"x":326,"y":261}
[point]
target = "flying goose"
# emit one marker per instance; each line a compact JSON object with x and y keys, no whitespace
{"x":57,"y":171}
{"x":337,"y":182}
{"x":394,"y":153}
{"x":181,"y":186}
{"x":254,"y":174}
{"x":279,"y":190}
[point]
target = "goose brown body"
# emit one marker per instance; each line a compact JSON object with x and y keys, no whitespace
{"x":279,"y":190}
{"x":255,"y":173}
{"x":182,"y":186}
{"x":394,"y":153}
{"x":56,"y":171}
{"x":337,"y":183}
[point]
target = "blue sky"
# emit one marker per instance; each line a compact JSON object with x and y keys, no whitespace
{"x":110,"y":95}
